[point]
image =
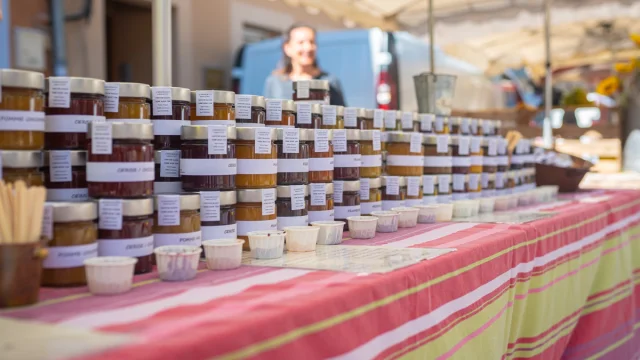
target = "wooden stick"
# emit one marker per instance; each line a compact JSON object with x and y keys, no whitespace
{"x":5,"y":213}
{"x":23,"y":202}
{"x":38,"y":197}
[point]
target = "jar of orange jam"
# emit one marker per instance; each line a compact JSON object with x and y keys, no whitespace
{"x":21,"y":110}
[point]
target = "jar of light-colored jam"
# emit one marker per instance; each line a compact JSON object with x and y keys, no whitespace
{"x":371,"y":154}
{"x":208,"y":158}
{"x":213,"y":107}
{"x":370,"y":195}
{"x":405,"y":155}
{"x":321,"y":202}
{"x":280,"y":113}
{"x":127,"y":102}
{"x":250,"y":110}
{"x":392,"y":120}
{"x":354,"y":117}
{"x":373,"y":120}
{"x":22,"y":165}
{"x":176,"y":220}
{"x":321,"y":163}
{"x":21,"y":110}
{"x":170,"y":110}
{"x":255,"y":211}
{"x":332,"y":117}
{"x":426,"y":123}
{"x":257,"y":158}
{"x":441,"y":125}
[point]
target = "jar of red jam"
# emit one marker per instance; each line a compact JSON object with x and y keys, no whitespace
{"x":250,"y":110}
{"x":321,"y":157}
{"x":127,"y":102}
{"x":121,"y":160}
{"x":208,"y":158}
{"x":280,"y":113}
{"x":170,"y":110}
{"x":72,"y":103}
{"x":502,"y":166}
{"x":213,"y":107}
{"x":346,"y":200}
{"x":460,"y":146}
{"x":475,"y":127}
{"x":218,"y":215}
{"x":293,"y":155}
{"x":321,"y":202}
{"x":487,"y":127}
{"x":65,"y":175}
{"x":292,"y":206}
{"x":308,"y":116}
{"x":460,"y":187}
{"x":346,"y":154}
{"x":167,"y":172}
{"x":316,"y":91}
{"x":354,"y":118}
{"x":414,"y":191}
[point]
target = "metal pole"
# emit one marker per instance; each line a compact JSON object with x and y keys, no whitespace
{"x":547,"y":132}
{"x":432,"y":61}
{"x":161,"y":15}
{"x":58,"y":49}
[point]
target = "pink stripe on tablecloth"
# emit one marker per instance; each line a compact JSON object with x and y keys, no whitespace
{"x":401,"y":234}
{"x":497,"y":228}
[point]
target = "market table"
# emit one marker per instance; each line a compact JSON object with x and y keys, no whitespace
{"x":563,"y":286}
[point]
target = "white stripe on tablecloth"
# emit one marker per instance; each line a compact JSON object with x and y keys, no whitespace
{"x":380,"y":343}
{"x":193,"y":296}
{"x":431,"y":235}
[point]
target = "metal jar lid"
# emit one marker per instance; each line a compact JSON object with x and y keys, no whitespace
{"x":402,"y":181}
{"x":368,"y":113}
{"x":252,"y":195}
{"x":288,"y":105}
{"x":64,"y":212}
{"x":305,"y":134}
{"x":256,"y":101}
{"x":431,"y":139}
{"x":339,"y":110}
{"x":127,"y":131}
{"x":249,"y":133}
{"x":201,"y":132}
{"x":375,"y":183}
{"x":80,"y":85}
{"x":188,"y":201}
{"x":455,"y":139}
{"x":177,"y":93}
{"x":399,"y":114}
{"x":399,"y":136}
{"x":360,"y":112}
{"x":26,"y":159}
{"x":367,"y":135}
{"x":313,"y":84}
{"x":316,"y":109}
{"x":284,"y":191}
{"x":22,"y":79}
{"x":227,"y":198}
{"x":157,"y":155}
{"x":219,"y":96}
{"x":415,"y":117}
{"x":328,"y":188}
{"x":350,"y":185}
{"x":137,"y":207}
{"x":352,"y":134}
{"x":134,"y":90}
{"x":78,"y":157}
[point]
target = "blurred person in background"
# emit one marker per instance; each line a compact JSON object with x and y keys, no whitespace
{"x":300,"y":63}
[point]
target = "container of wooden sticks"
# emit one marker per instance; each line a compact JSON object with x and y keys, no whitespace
{"x":21,"y":248}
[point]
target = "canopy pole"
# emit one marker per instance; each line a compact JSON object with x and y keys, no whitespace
{"x":161,"y":49}
{"x":547,"y":132}
{"x":432,"y":62}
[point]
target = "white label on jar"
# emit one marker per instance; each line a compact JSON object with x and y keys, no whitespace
{"x":321,"y":164}
{"x":111,"y":97}
{"x":169,"y":127}
{"x":304,"y":113}
{"x":415,"y":145}
{"x":476,"y":160}
{"x":444,"y":199}
{"x":390,"y":204}
{"x":135,"y":247}
{"x":166,"y":187}
{"x":59,"y":92}
{"x":442,"y":144}
{"x":291,"y":141}
{"x":208,"y":167}
{"x":214,"y":122}
{"x":465,"y":126}
{"x":474,"y":126}
{"x":343,"y":212}
{"x":502,"y":160}
{"x":475,"y":144}
{"x":245,"y":227}
{"x":161,"y":101}
{"x":322,"y":215}
{"x":428,"y":184}
{"x":413,"y":185}
{"x":204,"y":103}
{"x":219,"y":232}
{"x":286,"y":221}
{"x":268,"y":202}
{"x":243,"y":107}
{"x":501,"y":146}
{"x":439,"y":124}
{"x":461,"y":161}
{"x":438,"y":161}
{"x":407,"y":120}
{"x":500,"y":180}
{"x":64,"y":257}
{"x":329,"y":115}
{"x":351,"y":117}
{"x":60,"y":166}
{"x":191,"y":239}
{"x":413,"y":202}
{"x":120,"y":171}
{"x":364,"y":189}
{"x":47,"y":221}
{"x":70,"y":123}
{"x":371,"y":161}
{"x":404,"y":160}
{"x":489,"y":161}
{"x":347,"y":161}
{"x":170,"y":163}
{"x":132,"y":121}
{"x":463,"y":145}
{"x":367,"y":208}
{"x":110,"y":214}
{"x":458,"y":182}
{"x":216,"y":140}
{"x":375,"y":140}
{"x":257,"y":166}
{"x":321,"y":140}
{"x":338,"y":189}
{"x":340,"y":140}
{"x":274,"y":110}
{"x":426,"y":122}
{"x":69,"y":195}
{"x":474,"y":181}
{"x":392,"y":185}
{"x":21,"y":120}
{"x":293,"y":165}
{"x":378,"y":118}
{"x":486,"y":127}
{"x":302,"y":89}
{"x":390,"y":119}
{"x":262,"y":141}
{"x":168,"y":210}
{"x":444,"y":182}
{"x":101,"y":138}
{"x":318,"y":194}
{"x":297,"y":196}
{"x":209,"y":206}
{"x":460,"y":196}
{"x":485,"y":180}
{"x":429,"y":200}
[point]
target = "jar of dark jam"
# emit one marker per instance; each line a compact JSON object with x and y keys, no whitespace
{"x":22,"y":104}
{"x":373,"y":120}
{"x":354,"y":118}
{"x":127,"y":102}
{"x":308,"y":116}
{"x":250,"y":110}
{"x":414,"y":191}
{"x":125,"y":228}
{"x":213,"y":107}
{"x":292,"y":206}
{"x":489,"y":161}
{"x":459,"y":125}
{"x":218,"y":215}
{"x":22,"y":165}
{"x":321,"y":202}
{"x":170,"y":110}
{"x":293,"y":155}
{"x":208,"y":158}
{"x":488,"y":185}
{"x":475,"y":128}
{"x":460,"y":186}
{"x":426,"y":123}
{"x":444,"y":189}
{"x":517,"y":160}
{"x":65,"y":175}
{"x":167,"y":172}
{"x":487,"y":127}
{"x":437,"y":154}
{"x":346,"y":154}
{"x":441,"y":125}
{"x":346,"y":200}
{"x":280,"y":113}
{"x":332,"y":117}
{"x":321,"y":163}
{"x":370,"y":195}
{"x":257,"y":158}
{"x":461,"y":158}
{"x":316,"y":91}
{"x":394,"y":191}
{"x":121,"y":160}
{"x":429,"y":189}
{"x":73,"y":102}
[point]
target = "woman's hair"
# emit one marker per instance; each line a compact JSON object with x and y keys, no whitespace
{"x":286,"y":60}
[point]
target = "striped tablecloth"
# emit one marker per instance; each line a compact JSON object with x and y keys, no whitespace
{"x":566,"y":286}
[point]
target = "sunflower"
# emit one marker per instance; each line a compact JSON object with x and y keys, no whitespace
{"x":608,"y":86}
{"x":635,"y":38}
{"x":624,"y":68}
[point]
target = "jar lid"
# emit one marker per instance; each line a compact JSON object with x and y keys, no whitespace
{"x":492,"y":177}
{"x":134,"y":90}
{"x":188,"y":201}
{"x":219,"y":96}
{"x":368,"y":113}
{"x":339,"y":110}
{"x":374,"y":183}
{"x":497,"y":123}
{"x":431,"y":139}
{"x":64,"y":212}
{"x":178,"y":93}
{"x":284,"y":191}
{"x":127,"y":131}
{"x":399,"y":136}
{"x":201,"y":132}
{"x":78,"y":157}
{"x":399,"y":114}
{"x":288,"y":105}
{"x":22,"y":79}
{"x":415,"y":117}
{"x":367,"y":135}
{"x":402,"y":181}
{"x":80,"y":85}
{"x":316,"y":108}
{"x":256,"y":100}
{"x":351,"y":185}
{"x":249,"y":133}
{"x":445,"y":119}
{"x":227,"y":198}
{"x":137,"y":207}
{"x":362,"y":112}
{"x":305,"y":134}
{"x":352,"y":134}
{"x":313,"y":84}
{"x":251,"y":195}
{"x":328,"y":188}
{"x":455,"y":139}
{"x":21,"y":159}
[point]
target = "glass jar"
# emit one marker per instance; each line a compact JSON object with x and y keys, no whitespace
{"x":213,"y":107}
{"x":354,"y":118}
{"x":370,"y":195}
{"x":127,"y":102}
{"x":461,"y":158}
{"x":309,"y":116}
{"x":280,"y":113}
{"x":459,"y":125}
{"x":208,"y":158}
{"x":293,"y":155}
{"x":65,"y":175}
{"x":346,"y":200}
{"x":121,"y":165}
{"x":167,"y":166}
{"x":21,"y":110}
{"x":321,"y":202}
{"x":444,"y":189}
{"x":373,"y":120}
{"x":488,"y":185}
{"x":429,"y":189}
{"x":73,"y":102}
{"x":475,"y":150}
{"x":316,"y":91}
{"x":517,"y":160}
{"x":321,"y":157}
{"x":475,"y":128}
{"x":426,"y":123}
{"x":218,"y":215}
{"x":125,"y":228}
{"x":346,"y":154}
{"x":170,"y":110}
{"x":332,"y":117}
{"x":497,"y":128}
{"x":250,"y":110}
{"x":460,"y":188}
{"x":392,"y":120}
{"x":394,"y":191}
{"x":475,"y":186}
{"x":414,"y":191}
{"x":409,"y":122}
{"x":489,"y":164}
{"x":510,"y":188}
{"x":257,"y":158}
{"x":74,"y":239}
{"x":371,"y":154}
{"x":255,"y":211}
{"x":441,"y":125}
{"x":291,"y":206}
{"x":487,"y":128}
{"x":176,"y":220}
{"x":502,"y":161}
{"x":437,"y":154}
{"x":22,"y":165}
{"x":405,"y":155}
